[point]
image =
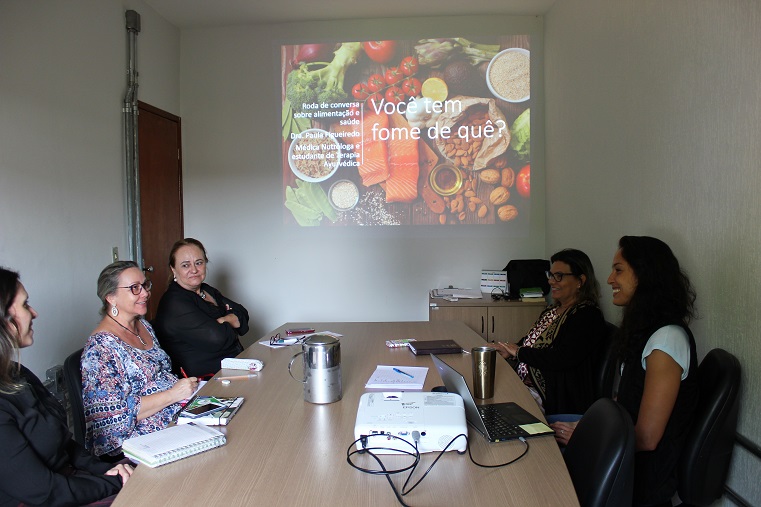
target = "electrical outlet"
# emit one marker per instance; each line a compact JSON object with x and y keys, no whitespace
{"x":115,"y":254}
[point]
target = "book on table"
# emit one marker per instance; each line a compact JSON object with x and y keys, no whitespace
{"x":210,"y":410}
{"x":172,"y":444}
{"x":425,"y":347}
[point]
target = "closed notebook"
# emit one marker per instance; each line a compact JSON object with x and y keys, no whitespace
{"x":425,"y":347}
{"x":220,"y":417}
{"x":172,"y":444}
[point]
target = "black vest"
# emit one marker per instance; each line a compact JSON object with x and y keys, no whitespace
{"x":655,"y":478}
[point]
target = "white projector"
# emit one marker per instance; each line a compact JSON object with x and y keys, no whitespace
{"x":436,"y":417}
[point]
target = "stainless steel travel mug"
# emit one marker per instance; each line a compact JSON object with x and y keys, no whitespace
{"x":484,"y":364}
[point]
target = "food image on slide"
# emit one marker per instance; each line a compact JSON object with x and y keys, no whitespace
{"x":407,"y":132}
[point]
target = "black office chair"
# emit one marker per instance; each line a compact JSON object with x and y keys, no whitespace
{"x":607,"y":362}
{"x":72,"y":375}
{"x":600,"y":456}
{"x":704,"y":463}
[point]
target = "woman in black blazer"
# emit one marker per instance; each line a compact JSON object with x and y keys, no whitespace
{"x":195,"y":323}
{"x":40,"y":463}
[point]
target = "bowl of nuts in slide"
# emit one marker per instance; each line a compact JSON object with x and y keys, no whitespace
{"x":508,"y":75}
{"x":314,"y":155}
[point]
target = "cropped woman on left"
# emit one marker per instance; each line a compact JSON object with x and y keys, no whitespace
{"x":40,"y":463}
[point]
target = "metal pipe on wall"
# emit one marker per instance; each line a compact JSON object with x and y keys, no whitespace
{"x":130,"y":111}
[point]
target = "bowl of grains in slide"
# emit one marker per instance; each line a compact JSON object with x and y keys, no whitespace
{"x":314,"y":155}
{"x":508,"y":76}
{"x":343,"y":195}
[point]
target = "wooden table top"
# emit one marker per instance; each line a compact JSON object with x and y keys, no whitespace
{"x":283,"y":451}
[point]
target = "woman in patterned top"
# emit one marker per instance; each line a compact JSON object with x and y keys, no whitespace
{"x":557,"y":358}
{"x":128,"y":385}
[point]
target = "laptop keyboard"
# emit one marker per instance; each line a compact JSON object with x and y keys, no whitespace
{"x":497,"y":426}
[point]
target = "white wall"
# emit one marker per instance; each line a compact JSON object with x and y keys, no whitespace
{"x":62,"y":83}
{"x":653,"y":117}
{"x":233,"y":189}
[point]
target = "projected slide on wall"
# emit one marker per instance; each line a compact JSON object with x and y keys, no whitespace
{"x":407,"y":132}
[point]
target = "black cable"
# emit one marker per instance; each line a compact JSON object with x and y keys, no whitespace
{"x":525,"y":450}
{"x":364,"y":440}
{"x":441,"y":453}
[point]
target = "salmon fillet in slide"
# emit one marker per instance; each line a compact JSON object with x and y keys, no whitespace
{"x":373,"y":153}
{"x":404,"y":169}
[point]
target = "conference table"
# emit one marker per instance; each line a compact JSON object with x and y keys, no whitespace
{"x":284,"y":451}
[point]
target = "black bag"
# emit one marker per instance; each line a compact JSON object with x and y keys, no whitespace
{"x":526,"y":273}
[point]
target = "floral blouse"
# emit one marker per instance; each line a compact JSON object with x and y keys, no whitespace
{"x":115,"y":376}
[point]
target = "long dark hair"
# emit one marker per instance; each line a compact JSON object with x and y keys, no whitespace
{"x":9,"y":286}
{"x":664,"y":294}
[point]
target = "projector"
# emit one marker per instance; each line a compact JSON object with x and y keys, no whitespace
{"x":437,"y":417}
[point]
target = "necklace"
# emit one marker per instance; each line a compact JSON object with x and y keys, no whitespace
{"x":128,"y":330}
{"x":203,"y":295}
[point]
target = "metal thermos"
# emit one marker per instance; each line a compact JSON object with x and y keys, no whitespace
{"x":484,"y":364}
{"x":322,"y":369}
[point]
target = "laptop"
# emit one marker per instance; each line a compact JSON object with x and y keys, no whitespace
{"x":496,"y":421}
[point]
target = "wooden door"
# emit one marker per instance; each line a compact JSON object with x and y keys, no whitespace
{"x":160,"y":168}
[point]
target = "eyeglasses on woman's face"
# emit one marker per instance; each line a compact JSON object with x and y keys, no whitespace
{"x":558,"y":276}
{"x":137,"y":288}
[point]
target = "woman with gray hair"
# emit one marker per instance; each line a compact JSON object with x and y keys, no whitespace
{"x":556,"y":359}
{"x":128,"y":387}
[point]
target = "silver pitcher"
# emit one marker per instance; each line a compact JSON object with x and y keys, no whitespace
{"x":322,"y":369}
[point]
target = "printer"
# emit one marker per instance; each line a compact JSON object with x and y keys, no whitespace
{"x":437,"y":417}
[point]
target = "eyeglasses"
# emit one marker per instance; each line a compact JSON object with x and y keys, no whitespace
{"x":277,"y":341}
{"x":558,"y":277}
{"x":137,"y":288}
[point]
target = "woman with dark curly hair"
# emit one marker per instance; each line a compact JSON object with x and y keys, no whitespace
{"x":658,"y":385}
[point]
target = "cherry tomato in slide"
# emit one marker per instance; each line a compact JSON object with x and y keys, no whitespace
{"x":360,"y":91}
{"x":394,"y":95}
{"x":523,"y":181}
{"x":393,"y":75}
{"x":375,"y":98}
{"x":409,"y":65}
{"x":411,"y":86}
{"x":375,"y":83}
{"x":380,"y":51}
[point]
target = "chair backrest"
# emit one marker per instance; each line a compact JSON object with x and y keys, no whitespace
{"x":605,"y":373}
{"x":72,"y":374}
{"x":600,"y":456}
{"x":704,"y":462}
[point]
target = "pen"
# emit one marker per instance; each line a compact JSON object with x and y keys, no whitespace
{"x":235,"y":377}
{"x":397,"y":370}
{"x":182,"y":370}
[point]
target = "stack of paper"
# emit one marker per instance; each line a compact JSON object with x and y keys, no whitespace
{"x":397,"y":377}
{"x":456,"y":293}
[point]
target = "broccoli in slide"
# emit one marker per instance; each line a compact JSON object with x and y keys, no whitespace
{"x":326,"y":82}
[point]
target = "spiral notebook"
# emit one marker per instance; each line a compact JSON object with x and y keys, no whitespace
{"x":172,"y":444}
